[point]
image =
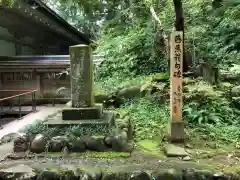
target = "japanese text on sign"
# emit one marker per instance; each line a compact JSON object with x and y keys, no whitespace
{"x":176,"y":57}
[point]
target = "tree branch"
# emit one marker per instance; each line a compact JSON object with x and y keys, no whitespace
{"x":160,"y":26}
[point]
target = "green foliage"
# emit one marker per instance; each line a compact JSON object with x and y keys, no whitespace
{"x":39,"y":128}
{"x":8,"y":3}
{"x":214,"y":32}
{"x":113,"y":84}
{"x":204,"y":105}
{"x":78,"y":131}
{"x":73,"y":132}
{"x":123,"y":57}
{"x":133,"y":47}
{"x":146,"y":116}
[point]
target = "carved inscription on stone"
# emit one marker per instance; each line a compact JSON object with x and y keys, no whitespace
{"x":81,"y":78}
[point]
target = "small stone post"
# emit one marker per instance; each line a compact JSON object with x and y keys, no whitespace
{"x":81,"y":71}
{"x":176,"y":127}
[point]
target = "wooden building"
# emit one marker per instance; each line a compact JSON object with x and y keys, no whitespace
{"x":34,"y":47}
{"x":32,"y":28}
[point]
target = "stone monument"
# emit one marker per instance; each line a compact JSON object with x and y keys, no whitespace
{"x":83,"y":110}
{"x":81,"y":75}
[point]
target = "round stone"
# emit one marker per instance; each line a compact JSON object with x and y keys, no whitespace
{"x":38,"y":144}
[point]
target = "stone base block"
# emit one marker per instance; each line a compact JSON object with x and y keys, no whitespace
{"x":176,"y":132}
{"x":82,"y":113}
{"x":107,"y":119}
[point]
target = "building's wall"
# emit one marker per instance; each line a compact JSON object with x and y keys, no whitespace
{"x":7,"y":47}
{"x":25,"y":50}
{"x":46,"y":87}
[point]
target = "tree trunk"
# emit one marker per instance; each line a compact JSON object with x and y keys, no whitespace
{"x":179,"y":25}
{"x":216,"y":4}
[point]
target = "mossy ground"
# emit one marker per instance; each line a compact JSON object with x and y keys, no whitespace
{"x":109,"y":155}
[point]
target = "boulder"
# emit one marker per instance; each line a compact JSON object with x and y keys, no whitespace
{"x":119,"y":141}
{"x":130,"y":92}
{"x":140,"y":175}
{"x":108,"y":141}
{"x":10,"y":137}
{"x":77,"y":146}
{"x":192,"y":174}
{"x":21,"y":143}
{"x":38,"y":144}
{"x":89,"y":173}
{"x":235,"y":92}
{"x":18,"y":172}
{"x":56,"y":144}
{"x":172,"y":150}
{"x":94,"y":144}
{"x":48,"y":175}
{"x":121,"y":145}
{"x":169,"y":174}
{"x":17,"y":155}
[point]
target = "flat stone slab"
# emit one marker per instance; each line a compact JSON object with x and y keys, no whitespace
{"x":20,"y":124}
{"x":81,"y":113}
{"x":61,"y":123}
{"x":107,"y":119}
{"x":172,"y":150}
{"x":5,"y":149}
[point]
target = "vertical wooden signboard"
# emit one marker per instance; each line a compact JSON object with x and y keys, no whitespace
{"x":176,"y":71}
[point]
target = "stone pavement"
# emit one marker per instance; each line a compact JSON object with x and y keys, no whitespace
{"x":19,"y":124}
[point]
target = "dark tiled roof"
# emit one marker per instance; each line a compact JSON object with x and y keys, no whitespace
{"x":48,"y":11}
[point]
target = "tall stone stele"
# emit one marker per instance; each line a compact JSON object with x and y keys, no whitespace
{"x":81,"y":65}
{"x":81,"y":75}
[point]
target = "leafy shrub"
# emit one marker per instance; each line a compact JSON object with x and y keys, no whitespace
{"x":147,"y":117}
{"x":204,"y":105}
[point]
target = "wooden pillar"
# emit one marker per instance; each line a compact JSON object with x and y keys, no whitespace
{"x":1,"y":80}
{"x":18,"y":49}
{"x":41,"y":83}
{"x":176,"y":127}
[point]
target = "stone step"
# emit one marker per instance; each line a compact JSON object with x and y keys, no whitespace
{"x":82,"y":113}
{"x":57,"y":123}
{"x":107,"y":119}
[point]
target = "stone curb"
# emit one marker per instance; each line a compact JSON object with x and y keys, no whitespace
{"x":94,"y":173}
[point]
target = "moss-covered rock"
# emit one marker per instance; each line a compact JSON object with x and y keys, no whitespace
{"x":94,"y":144}
{"x":38,"y":144}
{"x":77,"y":145}
{"x":160,"y":77}
{"x":57,"y":143}
{"x":170,"y":174}
{"x":88,"y":173}
{"x":48,"y":174}
{"x":140,"y":175}
{"x":120,"y":172}
{"x":21,"y":144}
{"x":18,"y":172}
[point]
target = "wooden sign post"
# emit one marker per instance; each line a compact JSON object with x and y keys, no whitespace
{"x":176,"y":127}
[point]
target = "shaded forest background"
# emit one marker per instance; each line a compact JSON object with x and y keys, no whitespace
{"x":133,"y":41}
{"x":133,"y":35}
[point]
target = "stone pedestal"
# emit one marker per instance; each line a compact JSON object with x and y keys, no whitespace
{"x":83,"y":111}
{"x":176,"y":132}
